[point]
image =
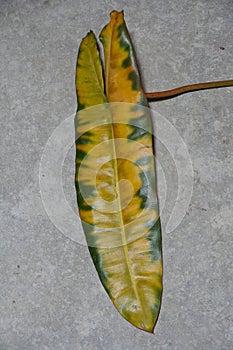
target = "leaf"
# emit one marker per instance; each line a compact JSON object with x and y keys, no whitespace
{"x":115,"y":175}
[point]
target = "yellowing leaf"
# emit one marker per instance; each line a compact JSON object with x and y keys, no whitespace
{"x":115,"y":176}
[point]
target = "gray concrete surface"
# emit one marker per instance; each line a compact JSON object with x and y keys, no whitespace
{"x":50,"y":295}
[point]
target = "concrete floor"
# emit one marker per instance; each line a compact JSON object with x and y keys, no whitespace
{"x":50,"y":295}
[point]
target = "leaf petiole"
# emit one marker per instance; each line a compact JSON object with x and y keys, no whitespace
{"x":153,"y":96}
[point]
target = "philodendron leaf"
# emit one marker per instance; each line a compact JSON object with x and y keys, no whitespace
{"x":115,"y":175}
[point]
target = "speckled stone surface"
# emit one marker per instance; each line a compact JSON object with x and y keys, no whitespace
{"x":50,"y":295}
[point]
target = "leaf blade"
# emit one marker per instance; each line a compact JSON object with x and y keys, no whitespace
{"x":123,"y":85}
